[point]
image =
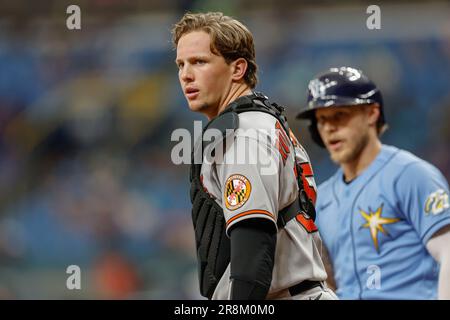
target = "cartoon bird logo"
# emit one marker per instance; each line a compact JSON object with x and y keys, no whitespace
{"x":375,"y":223}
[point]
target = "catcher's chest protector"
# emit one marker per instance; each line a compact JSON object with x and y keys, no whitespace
{"x":212,"y":243}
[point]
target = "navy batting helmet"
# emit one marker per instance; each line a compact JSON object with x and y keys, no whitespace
{"x":339,"y":87}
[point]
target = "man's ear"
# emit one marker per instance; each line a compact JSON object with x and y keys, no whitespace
{"x":239,"y":68}
{"x":374,"y":113}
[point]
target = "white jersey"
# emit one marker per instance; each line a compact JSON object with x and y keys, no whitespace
{"x":256,"y":178}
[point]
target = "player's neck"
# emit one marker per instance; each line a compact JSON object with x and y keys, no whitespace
{"x":355,"y":167}
{"x":236,"y":91}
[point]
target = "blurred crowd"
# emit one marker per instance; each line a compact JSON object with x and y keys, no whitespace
{"x":86,"y":117}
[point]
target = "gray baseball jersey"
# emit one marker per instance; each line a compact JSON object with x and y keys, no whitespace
{"x":255,"y":178}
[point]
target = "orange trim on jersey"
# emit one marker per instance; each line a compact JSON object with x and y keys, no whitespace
{"x":310,"y":192}
{"x":246,"y":213}
{"x":280,"y":149}
{"x":283,"y":153}
{"x":278,"y":125}
{"x":293,"y":138}
{"x":308,"y":224}
{"x":284,"y":143}
{"x":307,"y":170}
{"x":282,"y":137}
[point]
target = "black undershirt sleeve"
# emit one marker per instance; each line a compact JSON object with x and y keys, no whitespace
{"x":253,"y":244}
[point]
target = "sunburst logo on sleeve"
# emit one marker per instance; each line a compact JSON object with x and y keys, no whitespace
{"x":375,"y":223}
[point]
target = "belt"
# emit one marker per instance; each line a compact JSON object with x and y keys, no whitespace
{"x":304,"y":286}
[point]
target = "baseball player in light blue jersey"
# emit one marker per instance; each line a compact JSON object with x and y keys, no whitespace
{"x":384,"y":216}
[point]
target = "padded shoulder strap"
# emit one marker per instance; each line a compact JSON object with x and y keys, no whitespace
{"x":259,"y":102}
{"x":218,"y":129}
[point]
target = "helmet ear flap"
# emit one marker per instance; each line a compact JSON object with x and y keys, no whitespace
{"x":379,"y":99}
{"x":315,"y":135}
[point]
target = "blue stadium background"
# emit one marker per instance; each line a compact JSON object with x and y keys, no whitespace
{"x":86,"y":119}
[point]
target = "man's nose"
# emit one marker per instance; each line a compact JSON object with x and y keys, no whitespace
{"x":329,"y":125}
{"x":186,"y":73}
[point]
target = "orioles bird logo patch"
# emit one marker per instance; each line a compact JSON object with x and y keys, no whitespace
{"x":237,"y":191}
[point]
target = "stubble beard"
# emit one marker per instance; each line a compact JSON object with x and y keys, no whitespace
{"x":353,"y":152}
{"x":199,"y":108}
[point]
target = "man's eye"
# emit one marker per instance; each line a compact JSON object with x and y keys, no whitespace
{"x":200,"y":61}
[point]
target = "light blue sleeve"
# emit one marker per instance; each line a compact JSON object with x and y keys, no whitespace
{"x":423,"y":195}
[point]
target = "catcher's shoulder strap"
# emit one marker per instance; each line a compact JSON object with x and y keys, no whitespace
{"x":258,"y":102}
